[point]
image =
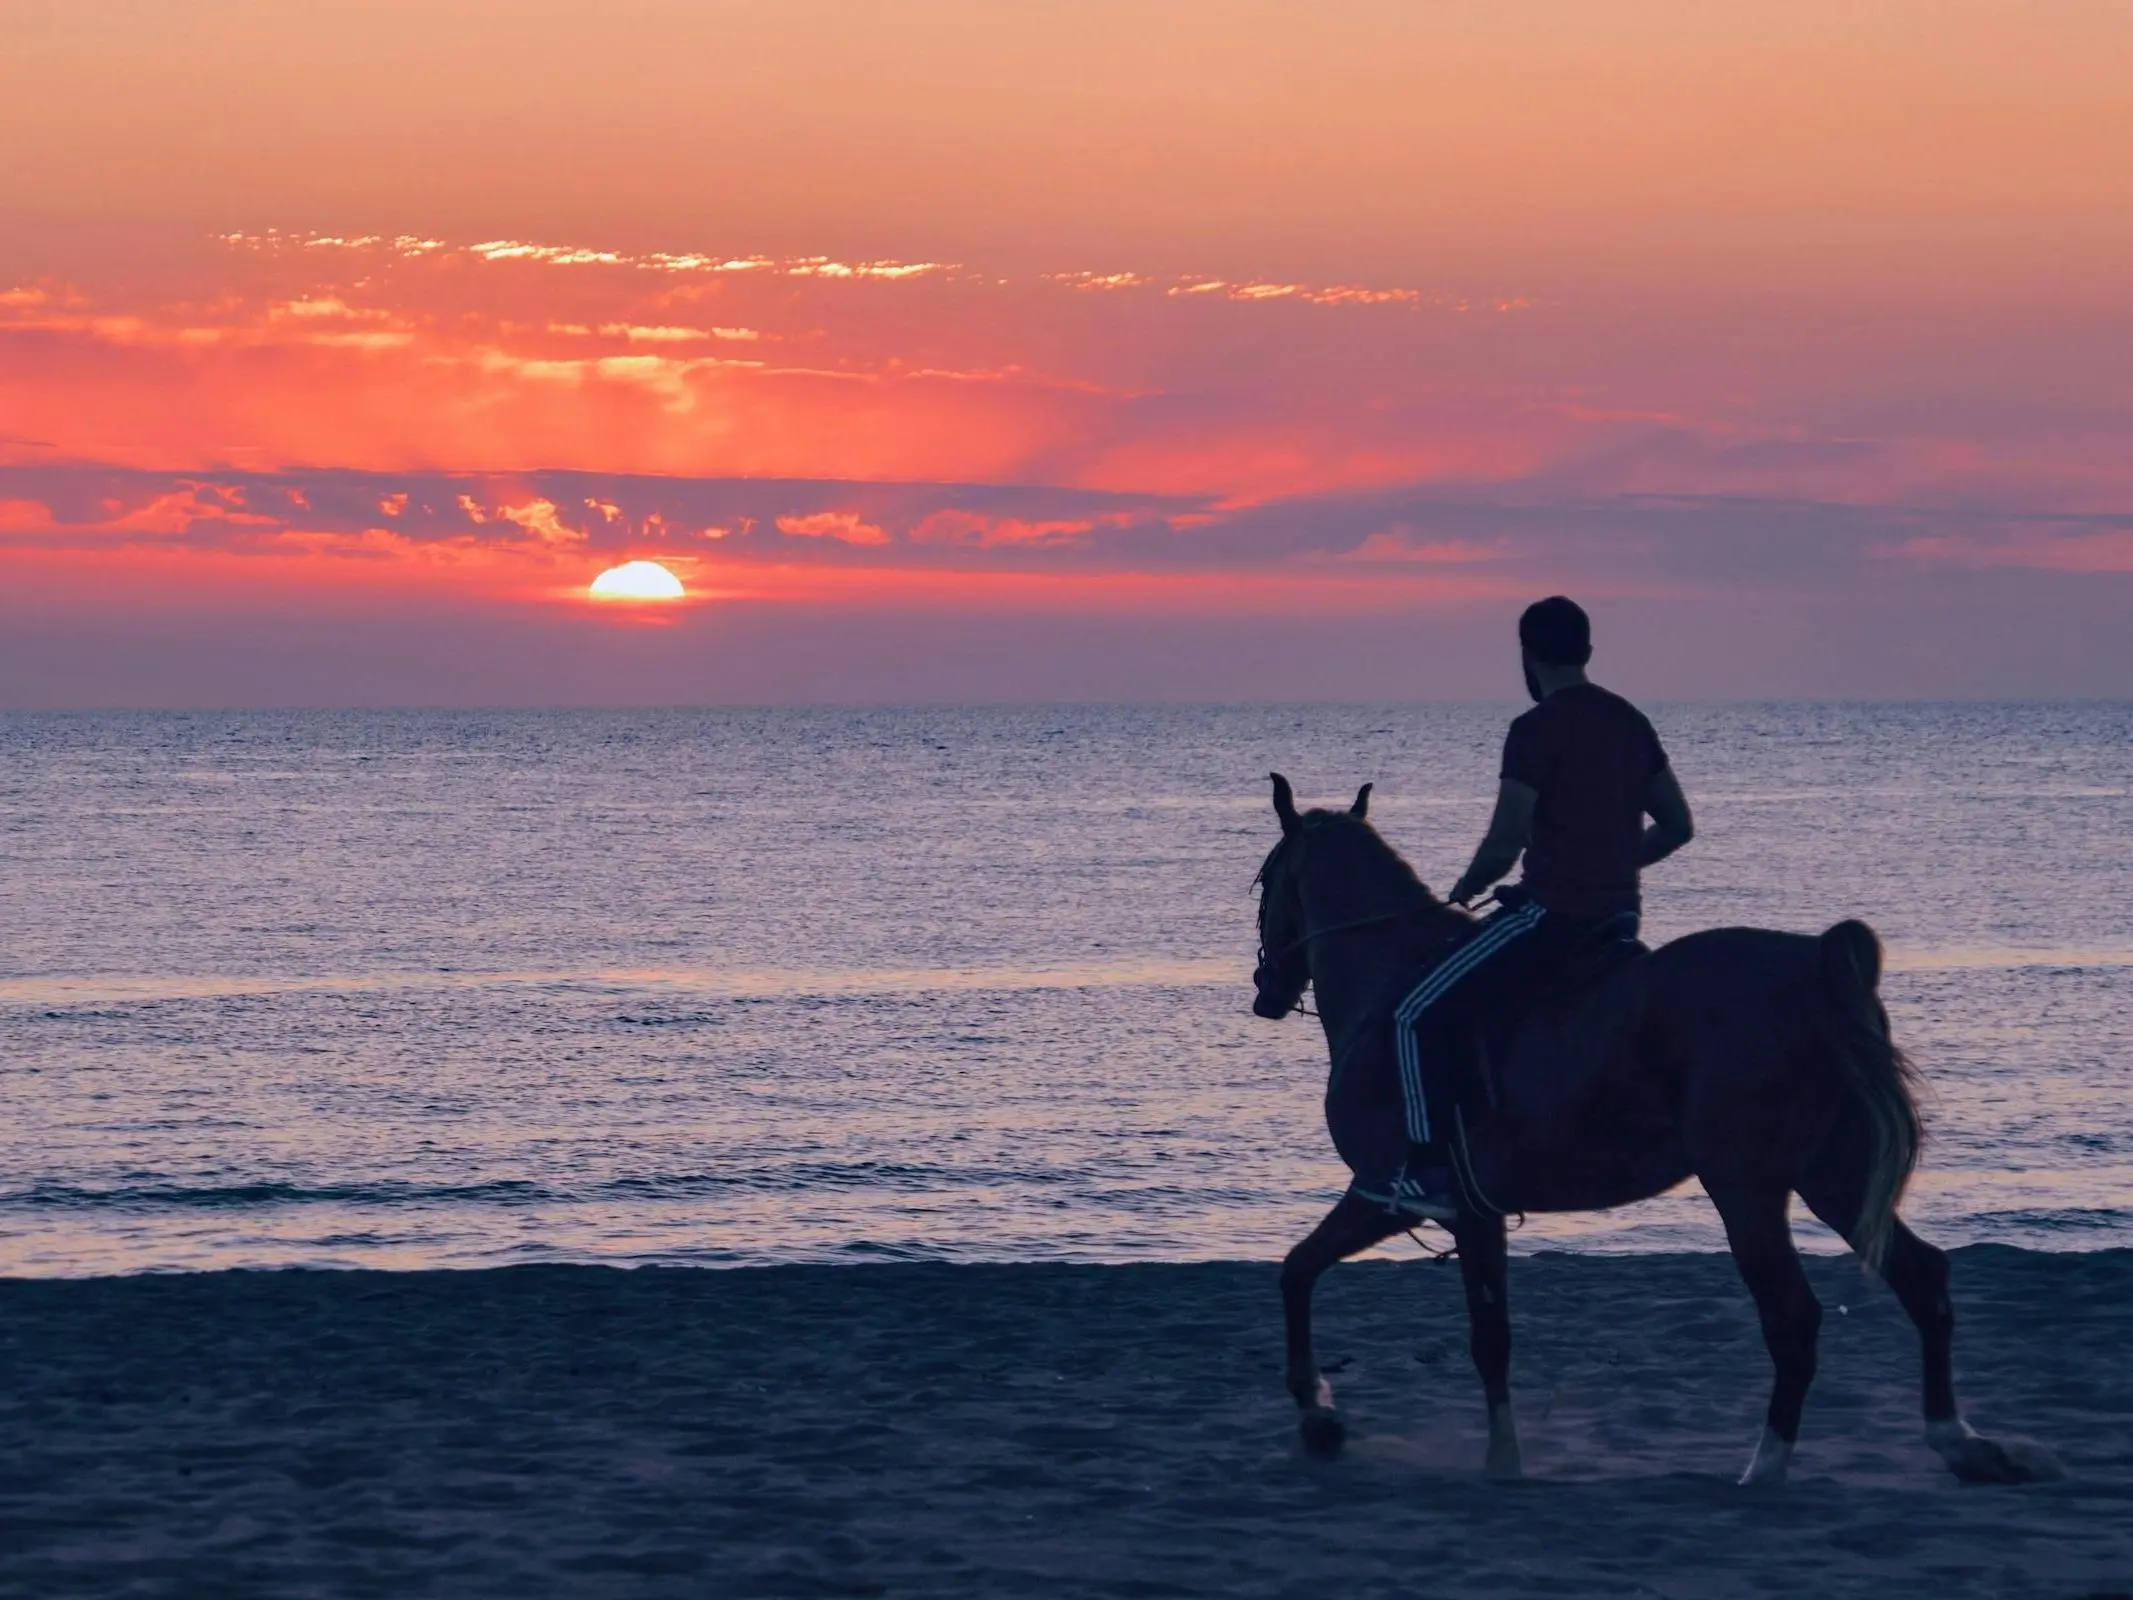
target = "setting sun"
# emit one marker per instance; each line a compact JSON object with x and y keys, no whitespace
{"x":637,"y":580}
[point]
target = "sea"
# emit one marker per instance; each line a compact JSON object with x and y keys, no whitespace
{"x":720,"y":987}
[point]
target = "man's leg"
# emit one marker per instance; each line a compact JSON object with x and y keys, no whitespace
{"x":1426,"y":1029}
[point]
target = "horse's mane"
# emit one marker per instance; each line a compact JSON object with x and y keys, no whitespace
{"x":1372,"y":854}
{"x":1372,"y":844}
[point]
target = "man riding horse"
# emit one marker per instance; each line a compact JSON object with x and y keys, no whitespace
{"x":1581,"y":772}
{"x":1759,"y":1062}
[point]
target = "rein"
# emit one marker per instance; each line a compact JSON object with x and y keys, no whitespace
{"x":1295,"y":945}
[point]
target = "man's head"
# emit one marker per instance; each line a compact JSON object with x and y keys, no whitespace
{"x":1554,"y":632}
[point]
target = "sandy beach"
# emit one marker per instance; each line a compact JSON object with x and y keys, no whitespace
{"x":928,"y":1430}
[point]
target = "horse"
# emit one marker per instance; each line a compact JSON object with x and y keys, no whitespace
{"x":1758,"y":1062}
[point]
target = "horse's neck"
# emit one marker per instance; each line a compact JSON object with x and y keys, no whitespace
{"x":1357,"y":971}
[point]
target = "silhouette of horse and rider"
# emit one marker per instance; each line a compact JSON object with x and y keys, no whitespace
{"x":1539,"y":1059}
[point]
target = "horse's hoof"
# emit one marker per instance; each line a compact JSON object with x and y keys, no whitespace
{"x":1977,"y":1459}
{"x":1323,"y":1432}
{"x":1770,"y":1465}
{"x":1503,"y":1463}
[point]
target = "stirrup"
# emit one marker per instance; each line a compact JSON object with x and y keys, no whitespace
{"x":1424,"y":1194}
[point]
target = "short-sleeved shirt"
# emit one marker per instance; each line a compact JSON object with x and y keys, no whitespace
{"x":1590,"y":756}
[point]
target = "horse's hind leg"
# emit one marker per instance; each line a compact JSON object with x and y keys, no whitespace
{"x":1485,"y":1265}
{"x":1917,"y":1273}
{"x":1353,"y":1224}
{"x":1760,"y":1233}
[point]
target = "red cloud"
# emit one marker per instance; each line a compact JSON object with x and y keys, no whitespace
{"x":1397,"y":545}
{"x":980,"y":531}
{"x":951,"y":438}
{"x":844,"y":526}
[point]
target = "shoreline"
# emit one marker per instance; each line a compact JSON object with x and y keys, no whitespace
{"x":935,"y":1429}
{"x":1659,"y":1241}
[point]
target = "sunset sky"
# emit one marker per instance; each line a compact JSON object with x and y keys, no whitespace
{"x":971,"y":351}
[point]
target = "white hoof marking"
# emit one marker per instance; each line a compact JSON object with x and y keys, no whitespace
{"x":1768,"y":1466}
{"x":1504,"y":1458}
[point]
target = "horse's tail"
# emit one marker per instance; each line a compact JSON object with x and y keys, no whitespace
{"x":1877,"y":1073}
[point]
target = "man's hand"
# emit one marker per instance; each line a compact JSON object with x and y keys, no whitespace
{"x":1509,"y":829}
{"x":1672,"y":826}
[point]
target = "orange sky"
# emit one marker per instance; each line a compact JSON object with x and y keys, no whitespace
{"x":1111,"y":311}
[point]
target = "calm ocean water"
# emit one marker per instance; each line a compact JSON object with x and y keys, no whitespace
{"x":429,"y":989}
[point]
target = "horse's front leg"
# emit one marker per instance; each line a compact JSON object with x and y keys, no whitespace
{"x":1484,"y":1263}
{"x":1354,"y":1224}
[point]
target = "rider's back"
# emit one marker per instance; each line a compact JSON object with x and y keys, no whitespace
{"x":1590,"y":756}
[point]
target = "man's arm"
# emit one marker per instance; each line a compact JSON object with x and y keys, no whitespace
{"x":1509,"y":829}
{"x":1672,"y":826}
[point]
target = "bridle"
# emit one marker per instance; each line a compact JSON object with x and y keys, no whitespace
{"x":1304,"y":940}
{"x":1280,"y":958}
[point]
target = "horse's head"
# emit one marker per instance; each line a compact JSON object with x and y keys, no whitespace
{"x":1284,"y":967}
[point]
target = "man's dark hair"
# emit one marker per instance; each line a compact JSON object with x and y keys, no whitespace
{"x":1556,"y":631}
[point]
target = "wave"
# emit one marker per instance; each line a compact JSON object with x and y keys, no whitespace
{"x":1996,"y":958}
{"x":170,"y":1195}
{"x":68,"y":995}
{"x":790,"y":1178}
{"x":2036,"y":1223}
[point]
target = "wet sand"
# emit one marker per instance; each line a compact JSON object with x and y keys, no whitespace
{"x":928,"y":1430}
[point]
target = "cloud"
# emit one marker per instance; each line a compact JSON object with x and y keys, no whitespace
{"x":975,"y":530}
{"x":843,"y":526}
{"x":507,"y":422}
{"x":2091,"y":544}
{"x":639,"y":334}
{"x":448,"y":356}
{"x":826,"y":268}
{"x":1512,"y":534}
{"x":553,"y":255}
{"x":321,"y":306}
{"x":26,"y":516}
{"x":1098,"y":282}
{"x":893,"y":271}
{"x":1193,"y":593}
{"x":544,"y":515}
{"x":538,"y":518}
{"x":1399,"y":545}
{"x":504,"y":251}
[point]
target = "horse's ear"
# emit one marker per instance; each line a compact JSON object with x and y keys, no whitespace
{"x":1361,"y":808}
{"x":1284,"y":803}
